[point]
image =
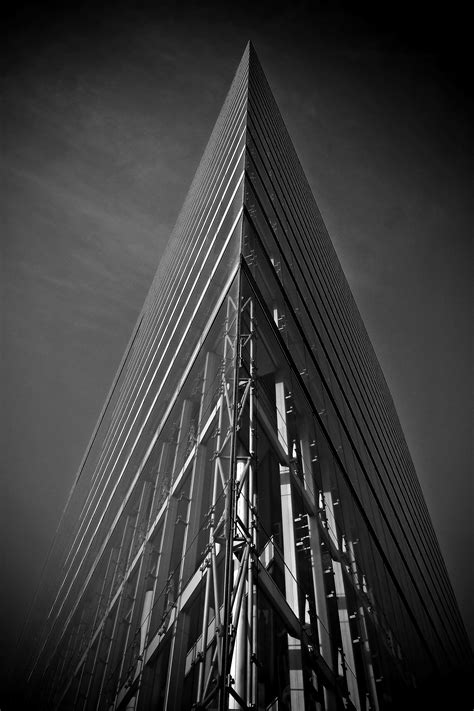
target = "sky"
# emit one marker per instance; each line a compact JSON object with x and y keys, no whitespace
{"x":107,"y":109}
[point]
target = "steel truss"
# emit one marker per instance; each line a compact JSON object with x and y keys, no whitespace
{"x":231,"y":572}
{"x":226,"y":656}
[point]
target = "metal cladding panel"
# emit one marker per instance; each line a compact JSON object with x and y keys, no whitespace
{"x":282,"y":211}
{"x":197,"y":268}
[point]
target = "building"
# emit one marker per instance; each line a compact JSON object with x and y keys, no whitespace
{"x":247,"y":530}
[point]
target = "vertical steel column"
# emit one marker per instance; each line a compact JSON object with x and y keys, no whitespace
{"x":230,"y":519}
{"x":220,"y":487}
{"x":174,"y":682}
{"x":209,"y":386}
{"x":289,"y":553}
{"x":324,"y":638}
{"x":210,"y":571}
{"x":252,"y":499}
{"x":183,"y":432}
{"x":111,"y":653}
{"x":127,"y":651}
{"x":223,"y":435}
{"x":141,"y":520}
{"x":162,"y":480}
{"x":343,"y":612}
{"x":157,"y":604}
{"x":132,"y":651}
{"x":239,"y":653}
{"x":363,"y":632}
{"x":181,"y":623}
{"x":195,"y":514}
{"x":178,"y":651}
{"x":243,"y":670}
{"x":145,"y":622}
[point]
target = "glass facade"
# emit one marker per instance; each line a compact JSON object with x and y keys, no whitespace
{"x":247,"y":530}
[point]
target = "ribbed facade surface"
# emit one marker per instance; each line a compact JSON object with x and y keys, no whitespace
{"x":359,"y":412}
{"x":246,"y":529}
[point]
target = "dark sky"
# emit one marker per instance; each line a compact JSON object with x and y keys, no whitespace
{"x":106,"y":114}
